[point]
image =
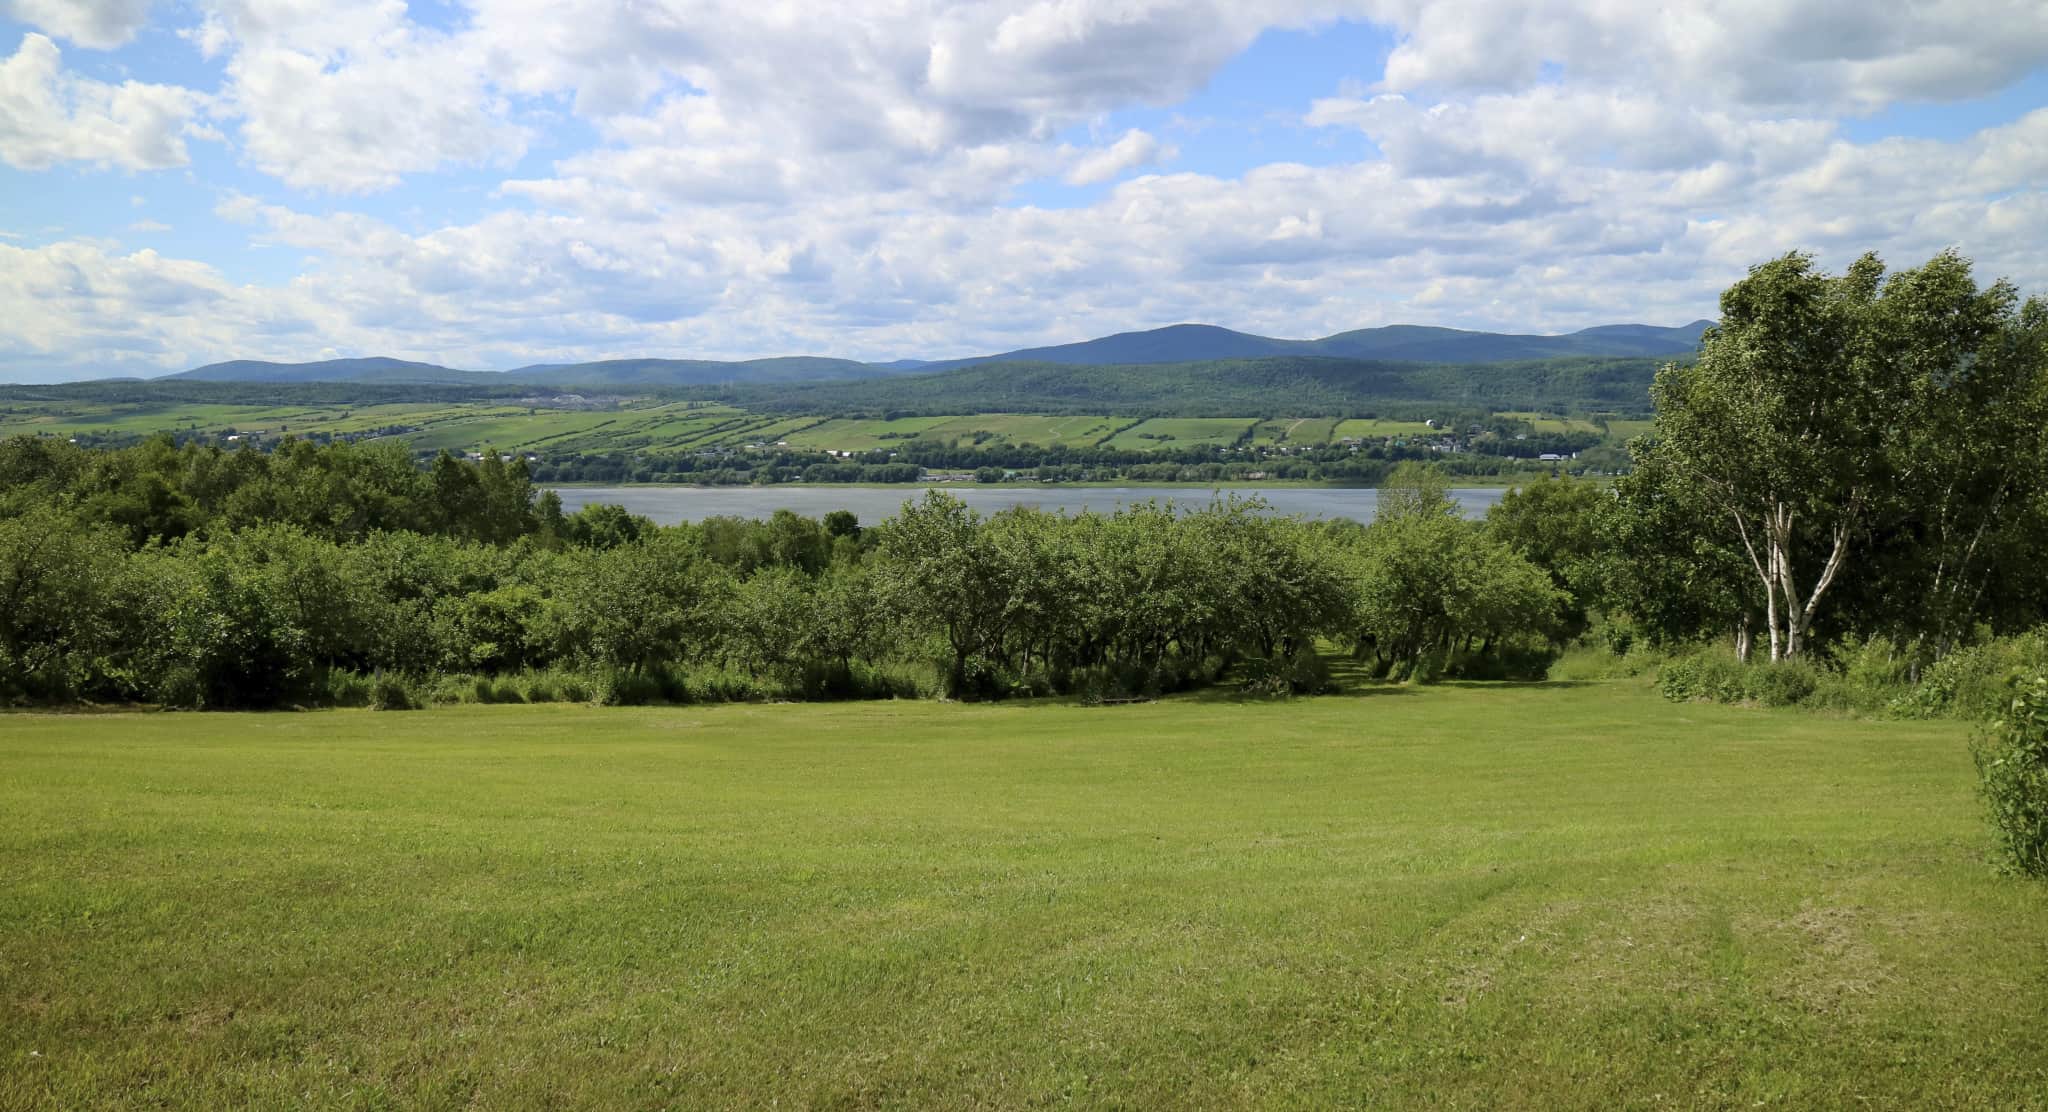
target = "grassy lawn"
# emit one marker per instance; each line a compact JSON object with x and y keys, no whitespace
{"x":1503,"y":896}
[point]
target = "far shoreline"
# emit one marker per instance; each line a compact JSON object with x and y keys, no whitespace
{"x":1482,"y":483}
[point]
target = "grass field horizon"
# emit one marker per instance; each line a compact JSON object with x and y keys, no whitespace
{"x":1494,"y":895}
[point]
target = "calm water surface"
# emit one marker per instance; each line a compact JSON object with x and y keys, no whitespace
{"x":670,"y":504}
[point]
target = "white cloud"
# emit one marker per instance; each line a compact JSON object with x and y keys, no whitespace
{"x":1818,"y":55}
{"x":1136,"y":148}
{"x":99,"y":24}
{"x":48,"y":116}
{"x":767,"y":176}
{"x":1287,"y":250}
{"x":350,"y":98}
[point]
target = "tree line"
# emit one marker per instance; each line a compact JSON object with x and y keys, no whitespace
{"x":1855,"y":467}
{"x":191,"y":576}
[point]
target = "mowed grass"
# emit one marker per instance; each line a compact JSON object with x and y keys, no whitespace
{"x":1509,"y":896}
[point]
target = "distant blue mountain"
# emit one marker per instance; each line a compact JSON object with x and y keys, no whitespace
{"x":610,"y":372}
{"x":374,"y":369}
{"x":1180,"y":343}
{"x":1187,"y":343}
{"x":699,"y":372}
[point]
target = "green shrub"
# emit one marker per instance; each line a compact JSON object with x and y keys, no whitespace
{"x":390,"y":693}
{"x":446,"y":690}
{"x":617,"y":687}
{"x":1976,"y":682}
{"x":1503,"y":662}
{"x":1593,"y":660}
{"x":1711,"y":673}
{"x":2012,"y":765}
{"x":722,"y":685}
{"x":1780,"y":684}
{"x":340,"y":688}
{"x":1303,"y":673}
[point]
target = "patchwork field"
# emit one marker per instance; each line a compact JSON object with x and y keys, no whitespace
{"x":652,"y":425}
{"x":1505,"y":896}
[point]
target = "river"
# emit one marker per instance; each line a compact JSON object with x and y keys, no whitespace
{"x":671,"y":504}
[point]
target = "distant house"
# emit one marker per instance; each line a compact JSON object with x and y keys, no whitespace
{"x":1550,"y":457}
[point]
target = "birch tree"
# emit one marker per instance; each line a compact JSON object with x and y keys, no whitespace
{"x":1858,"y":429}
{"x":1776,"y":430}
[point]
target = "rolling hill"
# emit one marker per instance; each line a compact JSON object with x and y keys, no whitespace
{"x":611,"y":372}
{"x":698,"y":372}
{"x":1174,"y":345}
{"x":1183,"y":343}
{"x":371,"y":370}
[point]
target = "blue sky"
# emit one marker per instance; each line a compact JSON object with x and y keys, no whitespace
{"x":496,"y":182}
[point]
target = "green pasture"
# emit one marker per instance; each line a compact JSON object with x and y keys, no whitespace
{"x":1378,"y":428}
{"x":1543,"y":422}
{"x":1182,"y":432}
{"x":680,"y":426}
{"x":1462,"y":896}
{"x":506,"y":428}
{"x":143,"y":419}
{"x":1029,"y":428}
{"x":1303,"y":432}
{"x":863,"y":434}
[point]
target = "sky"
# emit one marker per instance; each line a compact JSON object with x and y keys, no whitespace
{"x":491,"y":183}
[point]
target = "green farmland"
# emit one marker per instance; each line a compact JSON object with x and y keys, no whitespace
{"x":1182,"y":432}
{"x":1374,"y":428}
{"x":1460,"y":896}
{"x":652,"y":425}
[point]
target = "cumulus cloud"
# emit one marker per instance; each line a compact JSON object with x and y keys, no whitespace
{"x":1136,"y":148}
{"x":1810,"y":56}
{"x":350,"y":98}
{"x":762,"y":178}
{"x":48,"y":116}
{"x":99,"y":24}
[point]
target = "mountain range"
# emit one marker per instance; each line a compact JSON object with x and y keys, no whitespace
{"x":1181,"y":343}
